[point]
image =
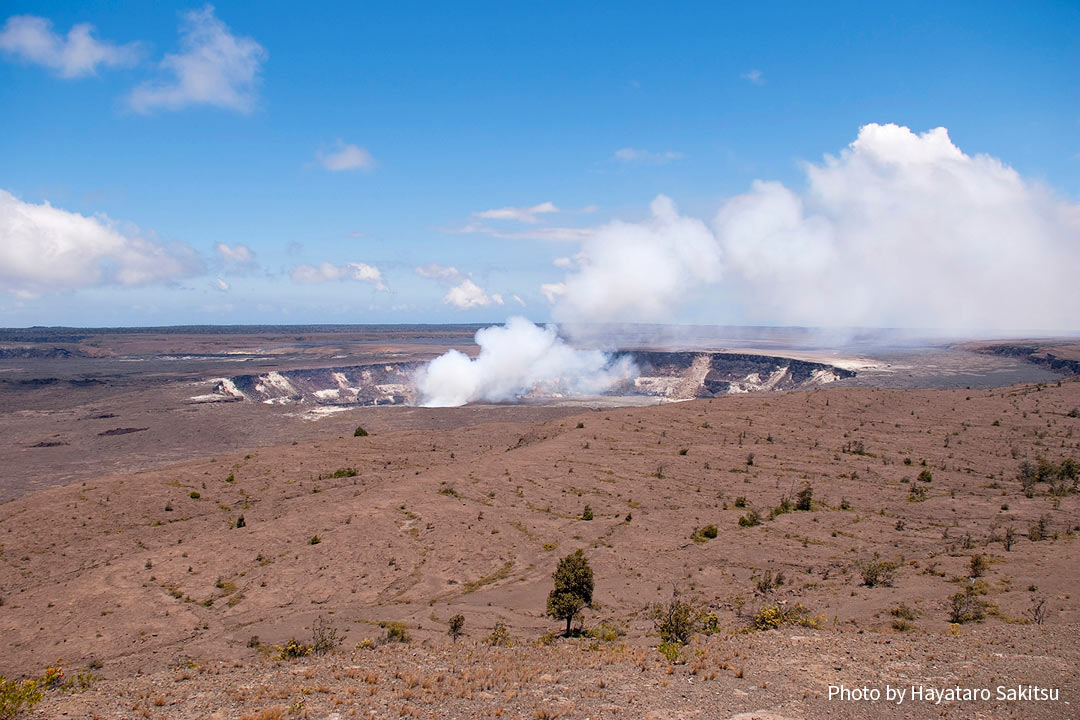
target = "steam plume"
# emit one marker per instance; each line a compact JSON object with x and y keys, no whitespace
{"x":899,"y":230}
{"x":515,"y":360}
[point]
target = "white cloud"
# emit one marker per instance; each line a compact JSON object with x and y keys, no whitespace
{"x":327,"y":272}
{"x":214,"y":67}
{"x":221,"y":285}
{"x":555,"y":234}
{"x":235,"y":255}
{"x":754,"y":76}
{"x":630,"y":155}
{"x":898,"y":230}
{"x":563,"y":262}
{"x":347,"y":157}
{"x":906,"y":230}
{"x":32,"y":39}
{"x":553,"y":291}
{"x":46,"y":249}
{"x":439,"y":272}
{"x":518,"y":300}
{"x":469,"y":295}
{"x":520,"y":214}
{"x":465,"y":294}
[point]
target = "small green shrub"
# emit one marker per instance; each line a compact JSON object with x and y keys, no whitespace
{"x":750,"y":519}
{"x":804,"y":501}
{"x":324,"y":637}
{"x":606,"y":631}
{"x":1040,"y":529}
{"x":499,"y":637}
{"x":18,"y":696}
{"x":587,"y":513}
{"x":766,"y":582}
{"x":783,"y":508}
{"x":292,"y":650}
{"x":315,"y":540}
{"x":855,"y":447}
{"x":704,"y":534}
{"x":360,"y":432}
{"x":194,"y":495}
{"x":772,"y":617}
{"x":344,"y":473}
{"x":395,"y":631}
{"x":671,"y":651}
{"x":904,"y":614}
{"x":966,"y":606}
{"x":677,"y":619}
{"x":925,"y":476}
{"x":740,"y":502}
{"x":877,"y":572}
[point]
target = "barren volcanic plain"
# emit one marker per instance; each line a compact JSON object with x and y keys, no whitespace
{"x":935,"y":547}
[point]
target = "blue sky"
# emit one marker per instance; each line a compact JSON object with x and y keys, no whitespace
{"x":379,"y":134}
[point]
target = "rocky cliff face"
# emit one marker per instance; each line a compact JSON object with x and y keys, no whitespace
{"x":664,"y":375}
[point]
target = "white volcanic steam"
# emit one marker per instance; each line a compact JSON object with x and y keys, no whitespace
{"x":514,"y":360}
{"x":899,"y":230}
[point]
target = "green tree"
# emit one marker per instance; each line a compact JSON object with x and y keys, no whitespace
{"x":457,"y":623}
{"x":573,"y":588}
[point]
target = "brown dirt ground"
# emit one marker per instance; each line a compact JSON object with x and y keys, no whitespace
{"x":132,"y":573}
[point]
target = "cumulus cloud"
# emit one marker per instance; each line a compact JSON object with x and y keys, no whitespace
{"x":553,"y":291}
{"x":328,"y":272}
{"x":33,"y":40}
{"x":220,"y":285}
{"x":45,"y":249}
{"x":468,"y":295}
{"x":346,"y":157}
{"x":520,"y":214}
{"x":899,"y":230}
{"x":904,"y":229}
{"x":634,"y":155}
{"x":514,"y":360}
{"x":214,"y":67}
{"x":238,"y":255}
{"x":465,"y":294}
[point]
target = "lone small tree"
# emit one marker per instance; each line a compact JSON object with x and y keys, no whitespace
{"x":573,"y":588}
{"x":457,"y":623}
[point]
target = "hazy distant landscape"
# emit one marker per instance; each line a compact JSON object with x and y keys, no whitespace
{"x":77,"y":403}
